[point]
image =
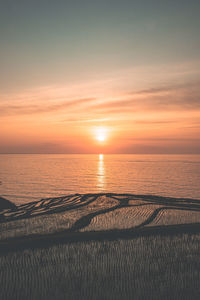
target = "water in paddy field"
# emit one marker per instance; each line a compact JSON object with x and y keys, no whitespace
{"x":30,"y":177}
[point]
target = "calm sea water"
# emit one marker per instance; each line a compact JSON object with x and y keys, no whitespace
{"x":25,"y":178}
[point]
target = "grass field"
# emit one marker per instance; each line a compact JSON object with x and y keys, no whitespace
{"x":157,"y":267}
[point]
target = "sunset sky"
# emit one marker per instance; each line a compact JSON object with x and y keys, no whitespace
{"x":109,"y":76}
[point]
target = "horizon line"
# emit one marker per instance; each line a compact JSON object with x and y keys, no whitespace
{"x":56,"y":153}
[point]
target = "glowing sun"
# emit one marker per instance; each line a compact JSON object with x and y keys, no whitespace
{"x":101,"y":137}
{"x":101,"y":134}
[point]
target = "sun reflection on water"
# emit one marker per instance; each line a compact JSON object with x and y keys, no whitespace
{"x":101,"y":172}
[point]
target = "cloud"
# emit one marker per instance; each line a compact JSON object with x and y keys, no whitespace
{"x":155,"y":122}
{"x":185,"y":97}
{"x":44,"y":107}
{"x":86,"y":120}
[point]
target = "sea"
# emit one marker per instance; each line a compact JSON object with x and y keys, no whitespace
{"x":31,"y":177}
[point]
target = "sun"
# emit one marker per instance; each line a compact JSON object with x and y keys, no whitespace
{"x":101,"y":134}
{"x":101,"y":137}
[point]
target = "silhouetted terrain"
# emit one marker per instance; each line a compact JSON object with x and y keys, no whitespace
{"x":6,"y":204}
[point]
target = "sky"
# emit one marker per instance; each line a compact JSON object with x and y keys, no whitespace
{"x":109,"y":76}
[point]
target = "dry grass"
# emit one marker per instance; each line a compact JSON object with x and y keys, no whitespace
{"x":157,"y":267}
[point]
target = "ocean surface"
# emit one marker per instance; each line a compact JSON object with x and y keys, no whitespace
{"x":30,"y":177}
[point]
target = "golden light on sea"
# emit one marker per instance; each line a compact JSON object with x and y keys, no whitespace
{"x":100,"y":156}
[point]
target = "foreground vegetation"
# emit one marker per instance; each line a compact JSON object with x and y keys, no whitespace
{"x":153,"y":267}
